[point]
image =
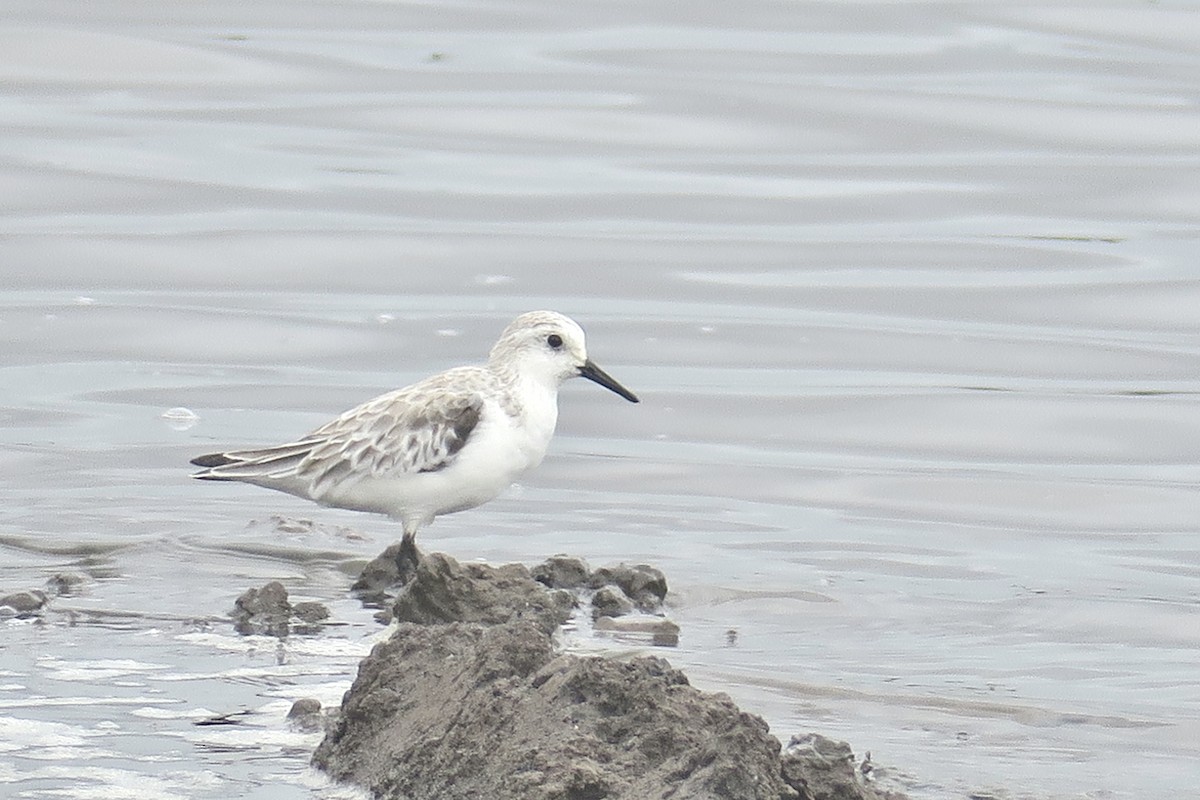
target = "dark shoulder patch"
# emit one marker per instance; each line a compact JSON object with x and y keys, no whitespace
{"x":461,"y":423}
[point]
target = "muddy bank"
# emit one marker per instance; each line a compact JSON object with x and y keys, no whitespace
{"x":469,"y":698}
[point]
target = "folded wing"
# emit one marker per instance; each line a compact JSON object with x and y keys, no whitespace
{"x":403,"y":432}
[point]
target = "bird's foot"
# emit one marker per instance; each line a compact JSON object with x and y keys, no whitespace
{"x":408,"y":558}
{"x":391,"y":569}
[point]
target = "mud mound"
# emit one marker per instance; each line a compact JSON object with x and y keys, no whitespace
{"x":466,"y":710}
{"x":449,"y":709}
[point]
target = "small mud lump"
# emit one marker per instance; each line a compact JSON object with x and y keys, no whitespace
{"x":24,"y":604}
{"x":266,"y":611}
{"x":305,"y":714}
{"x":820,"y":768}
{"x":643,"y":584}
{"x":263,"y":611}
{"x":610,"y":601}
{"x":561,"y":572}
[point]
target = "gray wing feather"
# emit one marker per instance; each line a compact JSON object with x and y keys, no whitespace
{"x":418,"y":429}
{"x":260,"y":462}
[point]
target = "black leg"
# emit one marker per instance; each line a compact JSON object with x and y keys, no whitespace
{"x":408,"y":558}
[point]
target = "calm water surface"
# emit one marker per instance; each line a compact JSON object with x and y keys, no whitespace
{"x":909,"y":292}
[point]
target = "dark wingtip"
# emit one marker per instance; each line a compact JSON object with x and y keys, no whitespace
{"x":212,"y":460}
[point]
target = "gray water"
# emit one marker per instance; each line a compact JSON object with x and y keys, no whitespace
{"x":909,"y":291}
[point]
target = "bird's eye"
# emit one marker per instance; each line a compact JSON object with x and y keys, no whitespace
{"x":554,"y":340}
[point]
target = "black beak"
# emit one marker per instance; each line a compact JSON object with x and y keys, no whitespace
{"x":594,"y":373}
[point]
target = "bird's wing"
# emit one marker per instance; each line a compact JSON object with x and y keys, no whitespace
{"x":418,"y":429}
{"x":399,"y":433}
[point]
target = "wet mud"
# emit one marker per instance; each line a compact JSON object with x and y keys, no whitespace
{"x":471,"y":697}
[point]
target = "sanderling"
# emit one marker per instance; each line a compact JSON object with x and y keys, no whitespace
{"x":448,"y":443}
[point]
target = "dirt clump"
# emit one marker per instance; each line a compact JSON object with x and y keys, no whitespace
{"x":23,"y":604}
{"x":267,"y":611}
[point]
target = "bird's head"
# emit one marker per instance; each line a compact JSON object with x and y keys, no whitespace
{"x":551,"y":347}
